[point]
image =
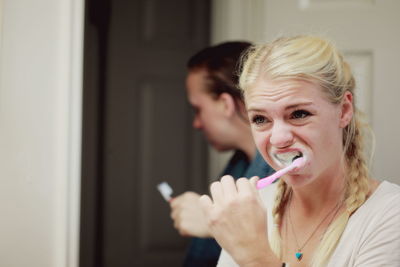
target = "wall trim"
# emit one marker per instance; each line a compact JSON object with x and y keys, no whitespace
{"x":75,"y":26}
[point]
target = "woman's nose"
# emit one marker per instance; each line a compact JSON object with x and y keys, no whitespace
{"x":196,"y":122}
{"x":281,"y":135}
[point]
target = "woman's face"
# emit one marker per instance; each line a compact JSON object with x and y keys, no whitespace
{"x":209,"y":113}
{"x":294,"y":117}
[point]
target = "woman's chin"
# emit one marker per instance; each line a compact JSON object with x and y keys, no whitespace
{"x":297,"y":179}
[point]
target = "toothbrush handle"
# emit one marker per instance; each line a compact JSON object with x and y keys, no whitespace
{"x":270,"y":179}
{"x":267,"y":180}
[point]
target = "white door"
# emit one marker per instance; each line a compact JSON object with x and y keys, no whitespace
{"x":367,"y":31}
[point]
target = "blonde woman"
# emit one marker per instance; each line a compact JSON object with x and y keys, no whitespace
{"x":299,"y":94}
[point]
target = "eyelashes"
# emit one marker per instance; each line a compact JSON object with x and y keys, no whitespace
{"x":296,"y":117}
{"x":258,"y":119}
{"x":300,"y":114}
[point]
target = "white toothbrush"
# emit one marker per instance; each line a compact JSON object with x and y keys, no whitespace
{"x":165,"y":190}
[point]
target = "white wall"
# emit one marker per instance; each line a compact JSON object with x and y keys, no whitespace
{"x":40,"y":120}
{"x":233,"y":20}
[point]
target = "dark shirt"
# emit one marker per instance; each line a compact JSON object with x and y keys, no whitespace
{"x":204,"y":252}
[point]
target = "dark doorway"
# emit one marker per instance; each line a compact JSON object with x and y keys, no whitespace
{"x":137,"y":128}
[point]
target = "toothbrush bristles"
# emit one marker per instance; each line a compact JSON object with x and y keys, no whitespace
{"x":296,"y":157}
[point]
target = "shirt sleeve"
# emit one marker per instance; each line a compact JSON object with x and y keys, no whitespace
{"x":225,"y":260}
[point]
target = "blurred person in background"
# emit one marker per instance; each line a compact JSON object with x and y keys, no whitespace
{"x":220,"y":114}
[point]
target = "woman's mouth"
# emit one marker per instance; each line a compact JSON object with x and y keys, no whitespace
{"x":285,"y":159}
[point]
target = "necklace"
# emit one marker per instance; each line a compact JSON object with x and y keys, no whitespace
{"x":299,"y":253}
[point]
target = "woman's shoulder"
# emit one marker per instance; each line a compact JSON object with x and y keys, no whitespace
{"x":385,"y":198}
{"x":386,"y":191}
{"x":371,"y":234}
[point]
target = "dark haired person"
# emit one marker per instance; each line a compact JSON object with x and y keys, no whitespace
{"x":221,"y":115}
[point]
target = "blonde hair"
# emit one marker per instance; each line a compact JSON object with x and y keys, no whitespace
{"x":315,"y":60}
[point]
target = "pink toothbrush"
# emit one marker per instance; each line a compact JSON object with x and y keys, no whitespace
{"x":297,"y":163}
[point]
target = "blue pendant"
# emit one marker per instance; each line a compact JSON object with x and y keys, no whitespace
{"x":299,"y":255}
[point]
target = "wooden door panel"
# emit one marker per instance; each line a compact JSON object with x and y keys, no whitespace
{"x":144,"y":133}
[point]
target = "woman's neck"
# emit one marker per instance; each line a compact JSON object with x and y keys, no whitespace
{"x":323,"y":193}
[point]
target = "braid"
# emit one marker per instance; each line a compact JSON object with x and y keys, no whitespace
{"x":357,"y":181}
{"x":281,"y":199}
{"x":357,"y":190}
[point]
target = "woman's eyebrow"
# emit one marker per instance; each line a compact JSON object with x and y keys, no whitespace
{"x":297,"y":105}
{"x":257,"y":110}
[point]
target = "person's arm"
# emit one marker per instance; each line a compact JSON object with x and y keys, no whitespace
{"x":187,"y":215}
{"x":237,"y":220}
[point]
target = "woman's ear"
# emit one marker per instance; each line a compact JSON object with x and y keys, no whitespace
{"x":227,"y":103}
{"x":346,"y":109}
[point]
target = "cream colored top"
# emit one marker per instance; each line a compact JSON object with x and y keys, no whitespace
{"x":371,"y":237}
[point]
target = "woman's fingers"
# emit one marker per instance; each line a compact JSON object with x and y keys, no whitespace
{"x":247,"y":186}
{"x":223,"y":190}
{"x":217,"y":194}
{"x":253,"y":182}
{"x":244,"y":187}
{"x":228,"y":187}
{"x":206,"y":204}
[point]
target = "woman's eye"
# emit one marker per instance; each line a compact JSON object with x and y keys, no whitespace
{"x":258,"y":119}
{"x":300,"y":114}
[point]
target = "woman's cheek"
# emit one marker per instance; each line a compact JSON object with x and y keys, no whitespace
{"x":261,"y":140}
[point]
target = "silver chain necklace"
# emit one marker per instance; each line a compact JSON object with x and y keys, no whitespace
{"x":299,"y":253}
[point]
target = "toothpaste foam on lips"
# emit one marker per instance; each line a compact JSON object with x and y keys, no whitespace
{"x":286,"y":158}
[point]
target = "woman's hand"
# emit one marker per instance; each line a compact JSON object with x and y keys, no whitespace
{"x":237,"y":220}
{"x":187,"y":215}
